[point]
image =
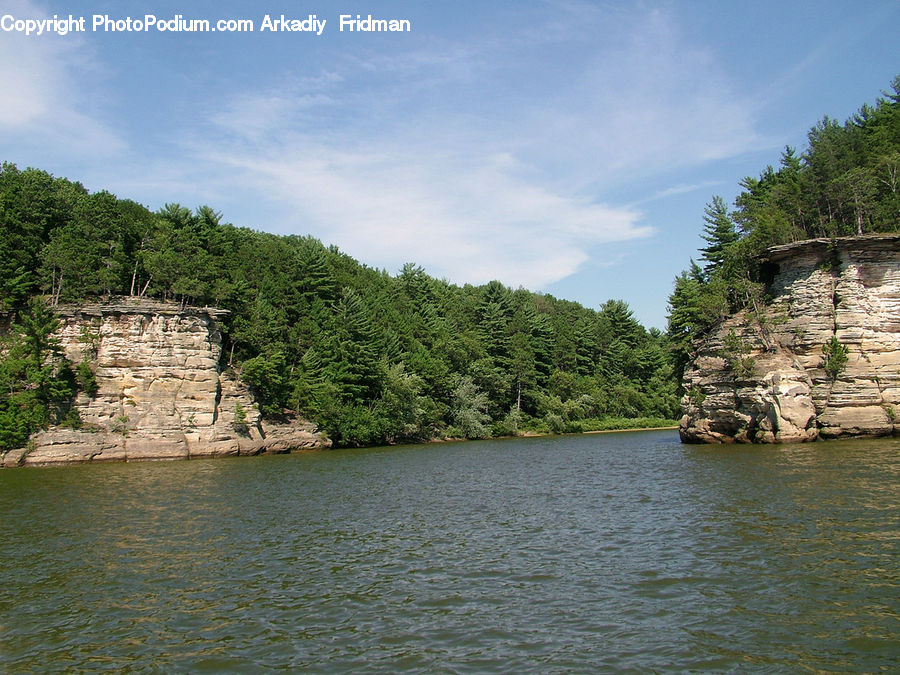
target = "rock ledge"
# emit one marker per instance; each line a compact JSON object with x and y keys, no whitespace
{"x":849,"y":289}
{"x":161,"y":392}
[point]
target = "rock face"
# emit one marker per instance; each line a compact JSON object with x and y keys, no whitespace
{"x":762,"y":377}
{"x":161,"y":393}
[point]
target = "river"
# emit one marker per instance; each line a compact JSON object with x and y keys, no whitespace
{"x":607,"y":552}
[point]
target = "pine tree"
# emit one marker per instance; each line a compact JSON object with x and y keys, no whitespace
{"x":350,"y":354}
{"x":37,"y":383}
{"x":719,"y":232}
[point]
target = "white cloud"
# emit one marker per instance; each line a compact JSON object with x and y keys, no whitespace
{"x":680,"y":189}
{"x":432,"y":162}
{"x":645,"y":101}
{"x":470,"y":220}
{"x":45,"y":78}
{"x":477,"y":160}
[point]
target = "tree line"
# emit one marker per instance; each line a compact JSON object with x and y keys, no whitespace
{"x":374,"y":357}
{"x":371,"y":357}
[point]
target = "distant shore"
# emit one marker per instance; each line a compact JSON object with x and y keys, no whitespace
{"x":611,"y":431}
{"x":542,"y":434}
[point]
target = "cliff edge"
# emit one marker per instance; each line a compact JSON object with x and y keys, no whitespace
{"x":161,"y":392}
{"x":820,"y":360}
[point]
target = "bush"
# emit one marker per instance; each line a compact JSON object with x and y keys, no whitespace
{"x":737,"y":352}
{"x":697,"y":396}
{"x":72,"y":419}
{"x":509,"y":425}
{"x":239,"y":424}
{"x":555,"y":423}
{"x":265,"y":375}
{"x":836,"y":357}
{"x":87,"y":381}
{"x":470,"y":410}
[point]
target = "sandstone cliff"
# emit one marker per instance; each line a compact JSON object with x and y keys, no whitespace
{"x":161,"y":392}
{"x":762,"y":376}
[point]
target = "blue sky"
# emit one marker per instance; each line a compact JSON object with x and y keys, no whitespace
{"x":564,"y":146}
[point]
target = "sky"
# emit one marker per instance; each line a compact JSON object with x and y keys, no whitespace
{"x":564,"y":146}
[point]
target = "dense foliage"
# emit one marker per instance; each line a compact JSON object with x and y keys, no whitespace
{"x":847,"y":182}
{"x":370,"y":357}
{"x":37,"y":383}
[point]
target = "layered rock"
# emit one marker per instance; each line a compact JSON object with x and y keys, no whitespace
{"x":161,"y":392}
{"x":761,"y":376}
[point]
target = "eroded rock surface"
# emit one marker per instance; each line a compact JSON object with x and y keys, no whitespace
{"x":161,"y":392}
{"x":764,"y":378}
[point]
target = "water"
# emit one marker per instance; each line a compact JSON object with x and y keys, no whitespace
{"x":570,"y":554}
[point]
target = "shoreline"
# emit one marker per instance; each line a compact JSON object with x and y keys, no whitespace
{"x":673,"y":427}
{"x":539,"y":434}
{"x":284,"y":451}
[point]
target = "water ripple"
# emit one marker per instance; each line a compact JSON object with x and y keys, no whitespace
{"x":571,"y":554}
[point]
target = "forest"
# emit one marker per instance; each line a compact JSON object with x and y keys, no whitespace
{"x":371,"y":357}
{"x":374,"y":357}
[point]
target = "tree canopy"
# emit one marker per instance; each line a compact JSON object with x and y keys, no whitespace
{"x":847,"y":182}
{"x":369,"y":356}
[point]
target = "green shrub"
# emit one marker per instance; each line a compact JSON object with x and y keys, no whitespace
{"x":697,"y":396}
{"x":239,"y":424}
{"x":555,"y":423}
{"x":509,"y":425}
{"x":737,"y":352}
{"x":72,"y":420}
{"x":835,"y":357}
{"x":87,"y":381}
{"x":120,"y":426}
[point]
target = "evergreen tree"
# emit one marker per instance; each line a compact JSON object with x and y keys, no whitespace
{"x":719,"y":232}
{"x":37,"y":383}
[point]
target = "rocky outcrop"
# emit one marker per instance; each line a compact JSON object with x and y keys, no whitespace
{"x":161,"y":392}
{"x":766,"y":375}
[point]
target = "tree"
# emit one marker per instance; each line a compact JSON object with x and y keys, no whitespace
{"x":836,"y":357}
{"x":267,"y":378}
{"x":857,"y":188}
{"x":719,"y":232}
{"x":686,"y":316}
{"x":585,"y":342}
{"x":402,"y":410}
{"x":37,"y":384}
{"x":470,"y":410}
{"x":315,"y":279}
{"x":493,"y":325}
{"x":350,"y":355}
{"x":32,"y":204}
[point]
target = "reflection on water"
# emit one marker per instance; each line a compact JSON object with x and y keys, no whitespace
{"x":537,"y":555}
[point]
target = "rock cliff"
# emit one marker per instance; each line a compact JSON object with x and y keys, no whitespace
{"x":161,"y":392}
{"x":775,"y":375}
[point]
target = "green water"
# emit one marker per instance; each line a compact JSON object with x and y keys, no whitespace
{"x":569,"y":554}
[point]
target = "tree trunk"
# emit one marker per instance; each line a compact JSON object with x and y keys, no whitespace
{"x":133,"y":279}
{"x":58,"y":289}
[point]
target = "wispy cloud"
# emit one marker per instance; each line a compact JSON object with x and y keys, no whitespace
{"x":412,"y":159}
{"x":256,"y":116}
{"x":470,"y":220}
{"x":646,"y":101}
{"x":861,"y":22}
{"x":680,"y":189}
{"x":45,"y":81}
{"x":478,"y":159}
